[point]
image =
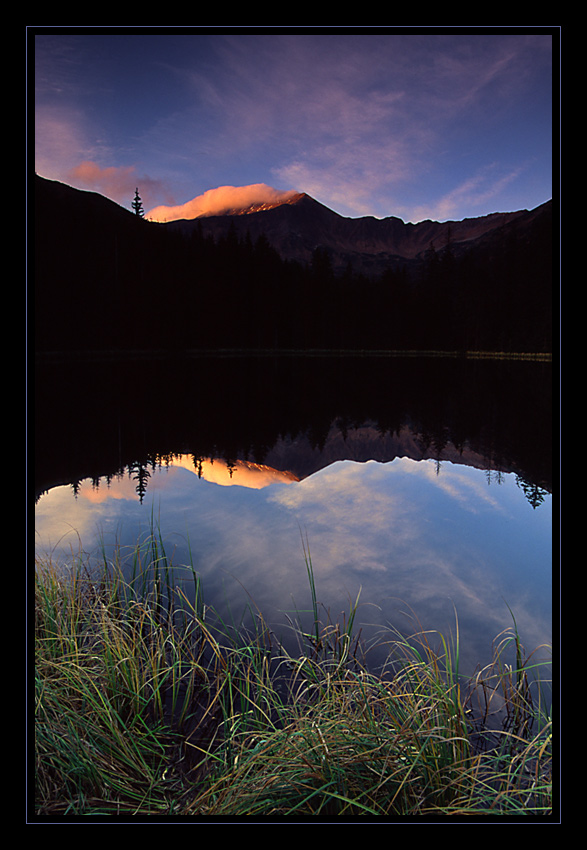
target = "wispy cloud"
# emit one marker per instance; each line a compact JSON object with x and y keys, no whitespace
{"x":474,"y":193}
{"x":367,"y":124}
{"x":60,"y":139}
{"x":361,"y":131}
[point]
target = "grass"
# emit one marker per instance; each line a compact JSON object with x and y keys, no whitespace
{"x":148,"y":705}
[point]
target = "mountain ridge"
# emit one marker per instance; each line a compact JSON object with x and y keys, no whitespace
{"x":105,"y":278}
{"x":299,"y":225}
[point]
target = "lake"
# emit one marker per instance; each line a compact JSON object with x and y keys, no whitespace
{"x":423,"y":485}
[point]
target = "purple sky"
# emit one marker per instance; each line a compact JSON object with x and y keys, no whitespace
{"x":441,"y":123}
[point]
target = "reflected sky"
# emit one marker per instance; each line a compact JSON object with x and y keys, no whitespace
{"x":410,"y":535}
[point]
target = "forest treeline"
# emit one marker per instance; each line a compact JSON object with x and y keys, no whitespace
{"x":107,"y":279}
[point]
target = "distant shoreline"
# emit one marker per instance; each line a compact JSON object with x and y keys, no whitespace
{"x":160,"y":354}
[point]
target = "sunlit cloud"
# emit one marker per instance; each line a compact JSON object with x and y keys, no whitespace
{"x":221,"y":200}
{"x":64,"y":152}
{"x":115,"y":182}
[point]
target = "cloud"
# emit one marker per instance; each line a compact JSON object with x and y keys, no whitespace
{"x":347,"y":496}
{"x":476,"y":191}
{"x":60,"y":137}
{"x":461,"y":483}
{"x":369,"y":183}
{"x":220,"y":200}
{"x":116,"y":182}
{"x":368,"y":125}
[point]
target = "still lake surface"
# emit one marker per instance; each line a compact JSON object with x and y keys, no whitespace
{"x":423,"y":484}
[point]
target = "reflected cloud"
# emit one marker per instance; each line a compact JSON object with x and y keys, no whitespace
{"x":64,"y":524}
{"x":432,"y":538}
{"x":123,"y":488}
{"x":346,"y":488}
{"x":456,"y":482}
{"x":410,"y":537}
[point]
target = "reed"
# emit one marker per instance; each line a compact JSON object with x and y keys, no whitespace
{"x":148,"y":703}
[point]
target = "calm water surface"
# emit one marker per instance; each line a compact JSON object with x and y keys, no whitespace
{"x":420,"y":523}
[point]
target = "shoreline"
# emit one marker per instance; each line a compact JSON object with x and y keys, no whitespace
{"x":97,"y":355}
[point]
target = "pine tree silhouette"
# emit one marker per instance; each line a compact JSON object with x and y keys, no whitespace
{"x":137,"y":204}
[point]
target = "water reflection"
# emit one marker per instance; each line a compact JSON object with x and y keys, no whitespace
{"x":409,"y":534}
{"x":424,"y":482}
{"x":292,"y":414}
{"x":239,"y":473}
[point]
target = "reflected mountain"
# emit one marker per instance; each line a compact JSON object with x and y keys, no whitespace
{"x":237,"y":473}
{"x":289,"y":416}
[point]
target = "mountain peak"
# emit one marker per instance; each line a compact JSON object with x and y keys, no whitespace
{"x":296,"y":224}
{"x":259,"y":206}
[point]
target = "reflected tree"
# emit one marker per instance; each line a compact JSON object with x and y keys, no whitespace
{"x":533,"y":492}
{"x":495,"y":475}
{"x":141,"y":476}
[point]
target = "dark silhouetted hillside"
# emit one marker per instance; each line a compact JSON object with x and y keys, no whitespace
{"x":294,"y":276}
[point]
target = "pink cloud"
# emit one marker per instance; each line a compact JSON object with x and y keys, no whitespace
{"x":221,"y":200}
{"x":115,"y":182}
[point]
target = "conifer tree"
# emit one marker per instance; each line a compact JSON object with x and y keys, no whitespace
{"x":137,"y":204}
